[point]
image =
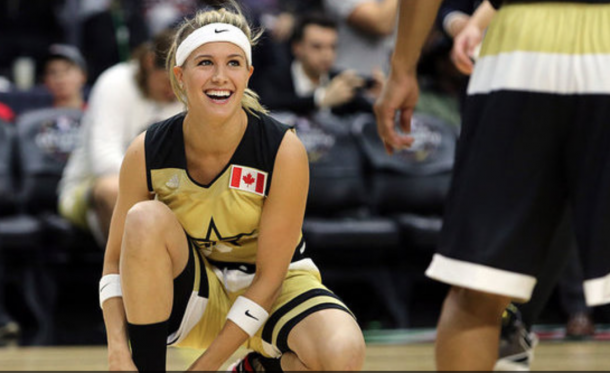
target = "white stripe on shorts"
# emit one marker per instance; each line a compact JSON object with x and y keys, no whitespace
{"x":597,"y":291}
{"x":194,"y":312}
{"x":482,"y":278}
{"x":542,"y":73}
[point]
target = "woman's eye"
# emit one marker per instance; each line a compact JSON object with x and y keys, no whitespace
{"x":204,"y":63}
{"x":234,"y":63}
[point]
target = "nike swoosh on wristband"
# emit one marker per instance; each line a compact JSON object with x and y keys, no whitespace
{"x":219,"y":31}
{"x":250,"y":315}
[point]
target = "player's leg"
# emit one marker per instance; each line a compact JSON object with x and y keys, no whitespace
{"x":154,"y":252}
{"x":325,"y":340}
{"x":309,"y":328}
{"x":517,"y":341}
{"x":509,"y":187}
{"x":469,"y":325}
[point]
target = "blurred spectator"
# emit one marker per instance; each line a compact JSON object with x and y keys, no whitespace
{"x":309,"y":83}
{"x":440,"y":82}
{"x":161,"y":14}
{"x":366,"y":29}
{"x":124,"y":101}
{"x":277,"y":19}
{"x":65,"y":74}
{"x":110,"y":30}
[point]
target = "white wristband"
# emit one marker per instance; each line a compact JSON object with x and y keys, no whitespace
{"x":110,"y":287}
{"x":248,"y":315}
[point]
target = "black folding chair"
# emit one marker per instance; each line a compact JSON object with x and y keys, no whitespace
{"x":410,"y":187}
{"x":350,"y":245}
{"x":44,"y":140}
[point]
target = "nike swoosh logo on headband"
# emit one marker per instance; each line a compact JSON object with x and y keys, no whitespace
{"x":219,"y":31}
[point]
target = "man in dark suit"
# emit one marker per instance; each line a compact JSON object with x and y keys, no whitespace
{"x":309,"y":84}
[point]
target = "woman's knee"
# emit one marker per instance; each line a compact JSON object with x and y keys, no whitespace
{"x":345,"y":352}
{"x":477,"y":302}
{"x":153,"y":231}
{"x":143,"y":222}
{"x":331,"y":340}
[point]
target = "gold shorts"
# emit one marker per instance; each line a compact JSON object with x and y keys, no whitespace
{"x":302,"y":294}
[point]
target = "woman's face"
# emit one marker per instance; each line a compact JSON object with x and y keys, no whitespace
{"x":214,"y":78}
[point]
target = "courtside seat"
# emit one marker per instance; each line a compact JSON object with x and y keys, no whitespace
{"x":348,"y":243}
{"x":419,"y":230}
{"x":412,"y":184}
{"x":410,"y":187}
{"x":341,"y":239}
{"x":7,"y":189}
{"x":44,"y":140}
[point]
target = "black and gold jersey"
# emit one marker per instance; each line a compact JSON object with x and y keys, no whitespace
{"x":222,"y":218}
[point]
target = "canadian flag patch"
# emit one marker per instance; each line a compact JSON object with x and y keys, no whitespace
{"x":248,"y":179}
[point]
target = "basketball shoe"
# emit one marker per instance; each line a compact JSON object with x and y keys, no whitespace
{"x":516,"y":343}
{"x":255,"y":362}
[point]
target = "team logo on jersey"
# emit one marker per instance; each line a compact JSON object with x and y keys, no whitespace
{"x":248,"y":179}
{"x":215,"y":241}
{"x":173,"y":182}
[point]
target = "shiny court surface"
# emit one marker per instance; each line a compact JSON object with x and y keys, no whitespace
{"x":553,"y":356}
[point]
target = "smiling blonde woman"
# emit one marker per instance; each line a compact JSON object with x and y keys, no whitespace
{"x":205,"y":247}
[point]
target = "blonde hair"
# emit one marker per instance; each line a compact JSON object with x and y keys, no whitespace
{"x":250,"y":100}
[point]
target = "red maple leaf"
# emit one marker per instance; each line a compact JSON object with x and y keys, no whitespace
{"x":248,"y":179}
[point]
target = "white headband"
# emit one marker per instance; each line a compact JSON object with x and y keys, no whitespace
{"x":212,"y":33}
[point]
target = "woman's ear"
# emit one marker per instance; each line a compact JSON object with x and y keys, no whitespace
{"x":177,"y":70}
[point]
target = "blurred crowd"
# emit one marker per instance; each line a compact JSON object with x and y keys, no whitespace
{"x":345,"y":48}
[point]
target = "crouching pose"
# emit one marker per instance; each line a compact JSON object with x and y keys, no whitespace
{"x":205,"y":248}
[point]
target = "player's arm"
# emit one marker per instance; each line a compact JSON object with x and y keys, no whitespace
{"x":401,"y":92}
{"x":132,"y":189}
{"x":375,"y":17}
{"x":280,"y":230}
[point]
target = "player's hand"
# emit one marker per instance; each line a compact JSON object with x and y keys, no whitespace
{"x":121,"y":362}
{"x":400,"y":93}
{"x":465,"y":46}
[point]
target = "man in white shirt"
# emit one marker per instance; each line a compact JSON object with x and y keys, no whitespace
{"x":125,"y":100}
